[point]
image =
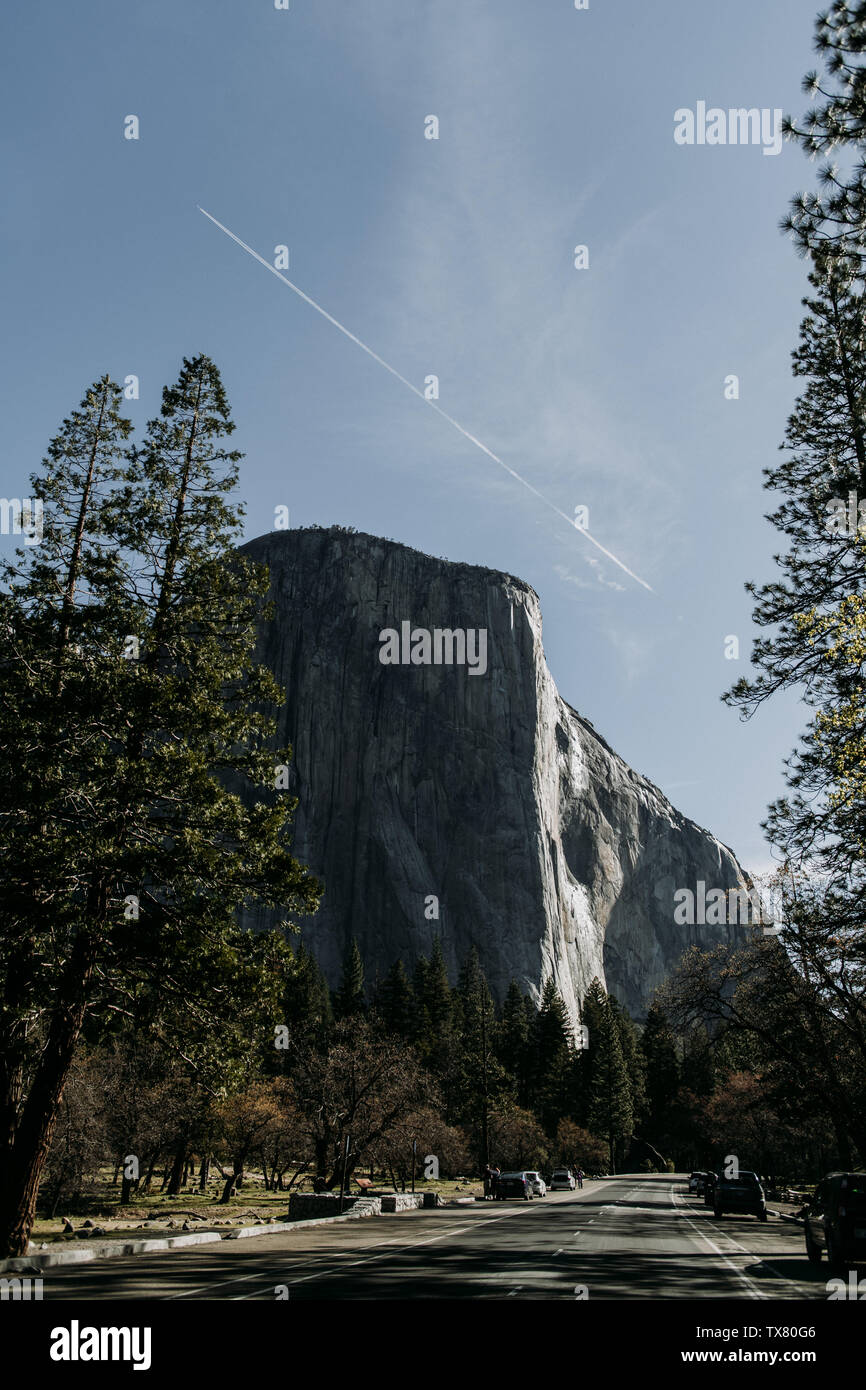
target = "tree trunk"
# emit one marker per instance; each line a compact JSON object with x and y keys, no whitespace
{"x":150,"y":1170}
{"x":24,"y":1158}
{"x":177,"y":1170}
{"x":58,"y":1189}
{"x":203,"y":1172}
{"x":843,"y":1143}
{"x":233,"y":1180}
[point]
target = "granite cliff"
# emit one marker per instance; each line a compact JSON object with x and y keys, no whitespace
{"x":480,"y":794}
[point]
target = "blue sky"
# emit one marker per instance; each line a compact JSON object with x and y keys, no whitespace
{"x":455,"y":257}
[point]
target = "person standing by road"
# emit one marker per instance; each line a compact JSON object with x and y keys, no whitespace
{"x":580,"y":1177}
{"x":494,"y":1181}
{"x":488,"y":1182}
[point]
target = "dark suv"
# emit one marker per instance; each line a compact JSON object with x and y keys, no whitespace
{"x":743,"y":1193}
{"x":835,"y":1220}
{"x":513,"y":1185}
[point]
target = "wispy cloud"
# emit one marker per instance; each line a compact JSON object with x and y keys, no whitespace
{"x":473,"y":439}
{"x":487,"y":295}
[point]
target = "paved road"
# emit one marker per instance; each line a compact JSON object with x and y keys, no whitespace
{"x":628,"y":1237}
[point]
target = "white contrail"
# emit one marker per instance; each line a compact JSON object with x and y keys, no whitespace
{"x":420,"y":394}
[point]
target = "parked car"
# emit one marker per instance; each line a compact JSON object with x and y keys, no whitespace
{"x":710,"y":1181}
{"x":743,"y":1193}
{"x":835,"y":1220}
{"x":562,"y":1179}
{"x":539,"y":1186}
{"x":514,"y":1185}
{"x":696,"y":1182}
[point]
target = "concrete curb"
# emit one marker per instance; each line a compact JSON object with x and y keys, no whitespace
{"x":116,"y":1248}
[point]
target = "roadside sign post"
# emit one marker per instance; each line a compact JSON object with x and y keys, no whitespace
{"x":343,"y":1174}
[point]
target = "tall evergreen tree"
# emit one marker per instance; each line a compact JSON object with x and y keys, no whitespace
{"x":818,"y":613}
{"x":592,"y":1014}
{"x":814,"y":611}
{"x":552,"y":1058}
{"x":697,"y":1069}
{"x":129,"y":860}
{"x":479,"y":1077}
{"x":610,"y":1113}
{"x":395,"y":1002}
{"x":435,"y":1016}
{"x":633,"y":1057}
{"x":350,"y":998}
{"x":662,"y":1071}
{"x":512,"y":1044}
{"x":825,"y":446}
{"x":306,"y":1005}
{"x":836,"y":216}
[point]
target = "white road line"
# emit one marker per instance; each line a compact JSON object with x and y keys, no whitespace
{"x":301,"y":1257}
{"x":754,"y":1255}
{"x":754,"y":1290}
{"x":468,"y":1227}
{"x":786,"y":1279}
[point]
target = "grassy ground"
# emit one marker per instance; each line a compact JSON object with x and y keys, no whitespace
{"x":156,"y":1214}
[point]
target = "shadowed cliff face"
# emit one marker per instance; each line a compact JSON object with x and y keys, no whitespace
{"x":484,"y":791}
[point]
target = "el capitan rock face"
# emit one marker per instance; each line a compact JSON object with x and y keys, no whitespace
{"x":484,"y":790}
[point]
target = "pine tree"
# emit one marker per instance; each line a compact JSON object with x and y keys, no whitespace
{"x":395,"y":1002}
{"x":479,"y":1078}
{"x":512,"y":1043}
{"x":825,"y":443}
{"x":835,"y":217}
{"x":610,"y":1113}
{"x":662,"y":1070}
{"x":436,"y":1028}
{"x":635,"y":1063}
{"x":698,"y":1070}
{"x":350,"y":998}
{"x":592,"y":1014}
{"x":306,"y":1006}
{"x":77,"y":555}
{"x":552,"y":1060}
{"x":818,"y":608}
{"x":54,"y":614}
{"x":435,"y":1016}
{"x":129,"y":859}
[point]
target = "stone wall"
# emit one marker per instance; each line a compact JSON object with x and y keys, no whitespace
{"x":305,"y":1205}
{"x":402,"y":1201}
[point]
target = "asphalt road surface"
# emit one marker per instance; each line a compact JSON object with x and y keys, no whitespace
{"x":629,"y":1237}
